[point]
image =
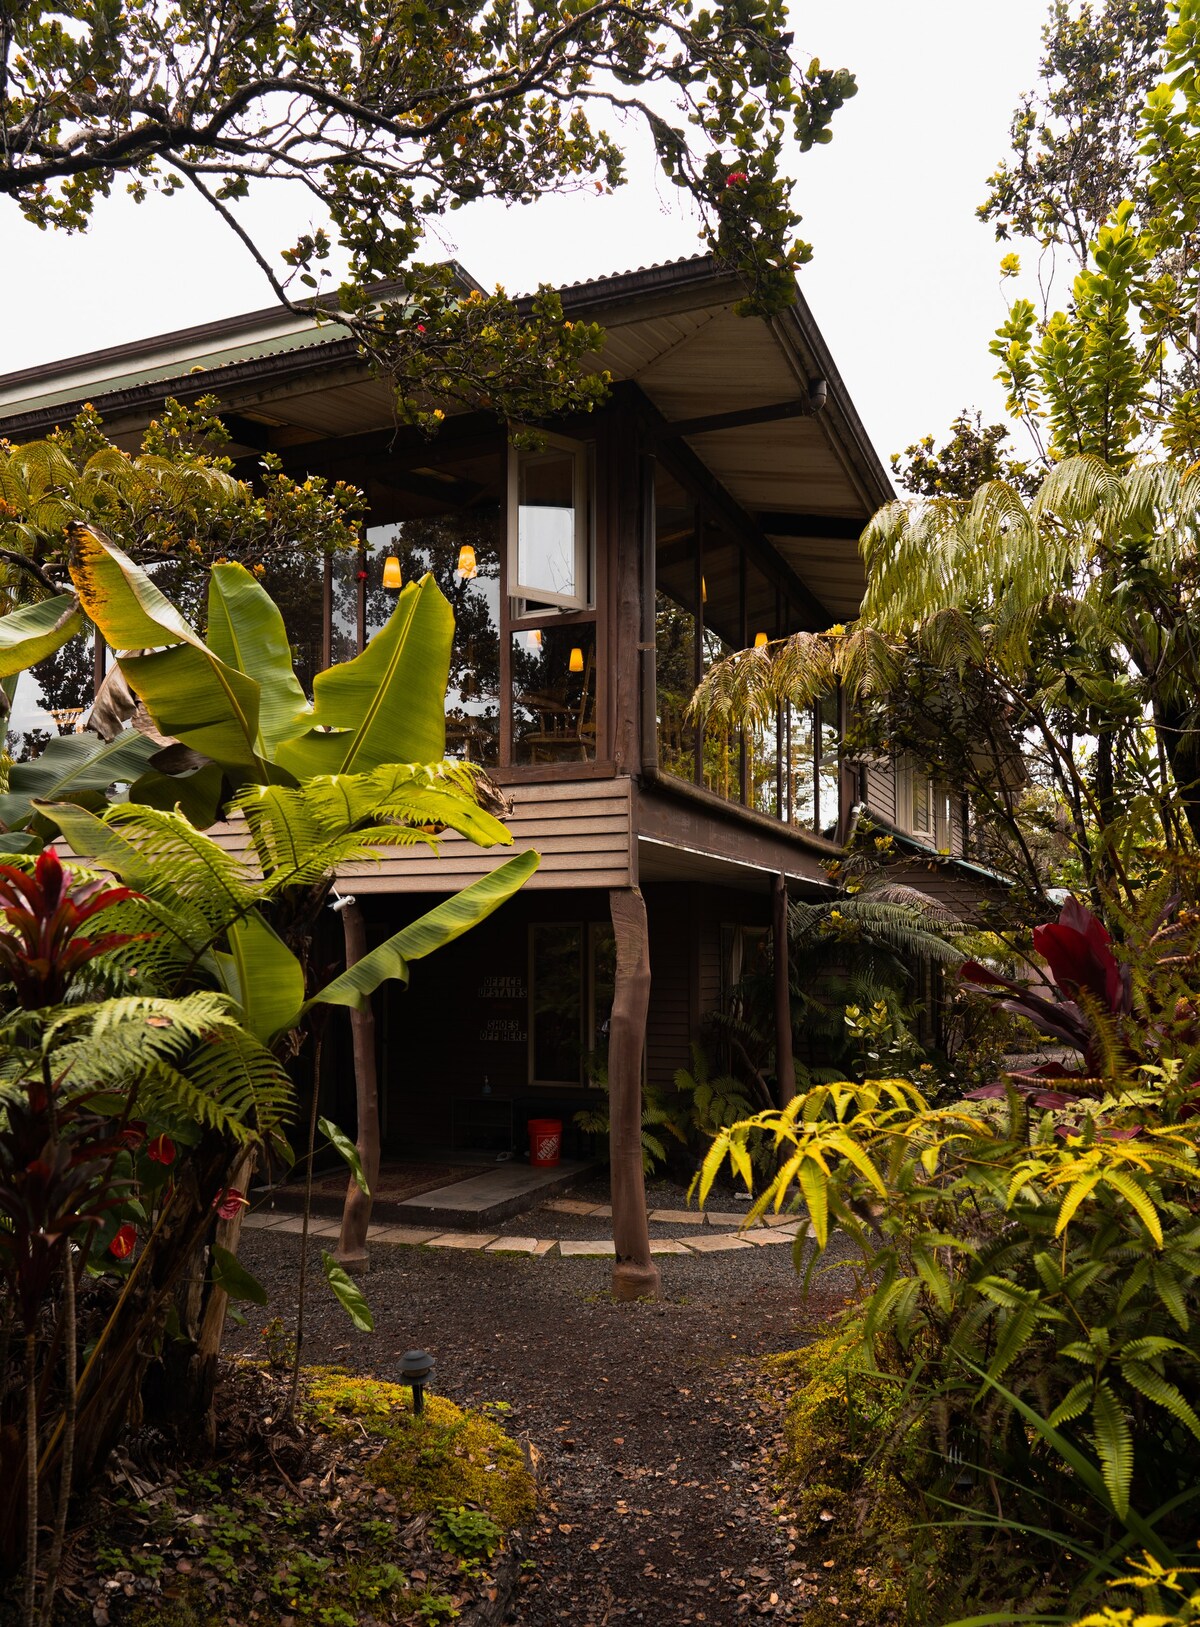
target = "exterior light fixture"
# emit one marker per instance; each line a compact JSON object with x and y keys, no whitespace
{"x":467,"y":567}
{"x":703,"y":591}
{"x":393,"y":577}
{"x":760,"y":641}
{"x":535,"y":639}
{"x":416,"y":1369}
{"x":575,"y":664}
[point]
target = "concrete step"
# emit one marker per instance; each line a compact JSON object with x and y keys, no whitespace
{"x":494,"y":1195}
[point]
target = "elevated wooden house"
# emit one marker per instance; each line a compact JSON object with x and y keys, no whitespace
{"x":717,"y":499}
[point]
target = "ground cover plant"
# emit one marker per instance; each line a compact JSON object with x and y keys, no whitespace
{"x":348,"y":1510}
{"x":1029,"y":1279}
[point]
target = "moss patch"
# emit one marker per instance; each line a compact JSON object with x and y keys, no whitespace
{"x":446,"y":1457}
{"x":380,"y":1519}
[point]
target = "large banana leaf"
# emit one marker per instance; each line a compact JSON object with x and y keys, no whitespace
{"x":388,"y":704}
{"x":263,"y":976}
{"x":439,"y":926}
{"x":246,"y":631}
{"x":100,"y":844}
{"x":190,"y":693}
{"x":72,"y":764}
{"x":35,"y":631}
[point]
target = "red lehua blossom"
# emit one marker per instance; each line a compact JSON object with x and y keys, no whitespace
{"x":735,"y":177}
{"x":161,"y":1150}
{"x":228,"y":1202}
{"x":420,"y":327}
{"x":123,"y":1243}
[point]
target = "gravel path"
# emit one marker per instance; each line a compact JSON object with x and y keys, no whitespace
{"x":654,"y":1450}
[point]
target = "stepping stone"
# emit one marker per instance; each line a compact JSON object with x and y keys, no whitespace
{"x":715,"y":1245}
{"x":668,"y":1245}
{"x":678,"y":1217}
{"x":467,"y":1240}
{"x":570,"y":1246}
{"x":261,"y":1220}
{"x":400,"y":1234}
{"x":512,"y":1245}
{"x":569,"y":1206}
{"x":727,"y":1217}
{"x":600,"y":1209}
{"x":546,"y":1246}
{"x":769,"y":1234}
{"x":290,"y":1223}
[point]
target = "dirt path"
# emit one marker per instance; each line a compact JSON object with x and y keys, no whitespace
{"x":654,"y":1460}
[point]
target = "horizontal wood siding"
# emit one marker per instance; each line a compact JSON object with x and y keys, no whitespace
{"x":581,"y":828}
{"x":669,"y":1025}
{"x":969,"y":897}
{"x":881,"y":790}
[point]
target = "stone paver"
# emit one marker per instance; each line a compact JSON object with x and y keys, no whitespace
{"x":402,"y":1234}
{"x":770,"y":1234}
{"x":668,"y":1245}
{"x":512,"y":1245}
{"x":569,"y":1246}
{"x":727,"y":1217}
{"x":569,"y":1206}
{"x":467,"y":1240}
{"x":715,"y":1245}
{"x":600,"y":1209}
{"x":546,"y":1246}
{"x":678,"y":1217}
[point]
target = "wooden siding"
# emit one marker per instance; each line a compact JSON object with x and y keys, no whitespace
{"x":670,"y":1022}
{"x":580,"y":827}
{"x":881,"y":791}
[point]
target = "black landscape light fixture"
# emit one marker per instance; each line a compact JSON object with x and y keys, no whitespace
{"x":416,"y":1368}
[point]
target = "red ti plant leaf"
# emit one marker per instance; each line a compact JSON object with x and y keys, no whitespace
{"x":1079,"y":953}
{"x":44,"y":947}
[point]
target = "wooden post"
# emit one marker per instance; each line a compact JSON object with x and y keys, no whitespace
{"x":356,"y":1212}
{"x":785,"y":1073}
{"x":635,"y":1276}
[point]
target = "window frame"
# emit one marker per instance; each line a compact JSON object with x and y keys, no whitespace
{"x":538,"y":602}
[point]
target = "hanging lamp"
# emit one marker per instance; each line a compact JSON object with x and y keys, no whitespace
{"x":393,"y":577}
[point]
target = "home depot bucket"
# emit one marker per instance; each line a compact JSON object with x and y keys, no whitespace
{"x":545,"y":1142}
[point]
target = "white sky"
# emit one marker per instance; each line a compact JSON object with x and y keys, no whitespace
{"x":903,"y":281}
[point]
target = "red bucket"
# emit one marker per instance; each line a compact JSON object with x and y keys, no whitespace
{"x":545,"y":1142}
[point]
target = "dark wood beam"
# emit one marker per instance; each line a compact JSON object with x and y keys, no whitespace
{"x":835,"y":527}
{"x":801,"y":407}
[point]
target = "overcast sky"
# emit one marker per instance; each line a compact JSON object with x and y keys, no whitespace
{"x":903,"y":281}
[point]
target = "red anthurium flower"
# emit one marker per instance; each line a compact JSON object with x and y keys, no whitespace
{"x":228,"y":1203}
{"x":122,"y":1245}
{"x":161,"y":1150}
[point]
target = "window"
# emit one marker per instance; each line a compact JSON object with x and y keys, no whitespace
{"x":554,"y":694}
{"x":550,"y":526}
{"x":572,"y":972}
{"x":915,"y":799}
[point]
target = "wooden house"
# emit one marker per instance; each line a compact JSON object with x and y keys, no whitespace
{"x":716,"y":500}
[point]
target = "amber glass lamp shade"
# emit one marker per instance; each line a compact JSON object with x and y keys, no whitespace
{"x":466,"y":562}
{"x":576,"y":662}
{"x":392,"y":576}
{"x":760,"y":641}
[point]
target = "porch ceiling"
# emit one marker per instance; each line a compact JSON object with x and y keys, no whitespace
{"x":667,"y":861}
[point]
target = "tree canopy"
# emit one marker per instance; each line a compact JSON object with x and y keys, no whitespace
{"x":381,"y":119}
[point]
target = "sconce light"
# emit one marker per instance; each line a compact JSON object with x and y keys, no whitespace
{"x":575,"y":664}
{"x":466,"y":562}
{"x":760,"y":641}
{"x":535,"y":639}
{"x":703,"y":591}
{"x":392,"y":576}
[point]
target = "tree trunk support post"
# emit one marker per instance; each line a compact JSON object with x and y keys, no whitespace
{"x":635,"y":1276}
{"x":356,"y":1212}
{"x":785,"y":1072}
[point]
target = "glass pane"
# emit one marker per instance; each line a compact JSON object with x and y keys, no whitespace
{"x":722,"y":745}
{"x":344,"y":581}
{"x":554,"y":694}
{"x":828,"y":794}
{"x":800,"y":759}
{"x":463,"y":552}
{"x":556,"y":986}
{"x":546,"y":525}
{"x":764,"y":769}
{"x":675,"y":674}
